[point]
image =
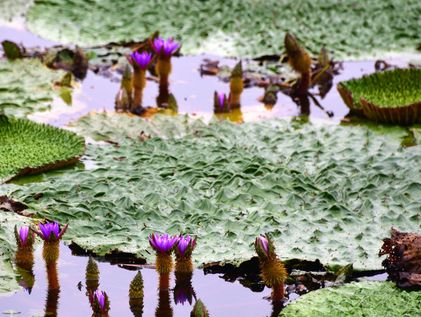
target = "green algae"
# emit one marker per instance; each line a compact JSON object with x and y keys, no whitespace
{"x":28,"y":147}
{"x":327,"y":193}
{"x":368,"y":299}
{"x":26,"y":86}
{"x":235,"y":28}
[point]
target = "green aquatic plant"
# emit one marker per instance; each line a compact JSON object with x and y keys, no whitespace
{"x":27,"y":86}
{"x":236,"y":86}
{"x":234,"y":28}
{"x":272,"y":269}
{"x":199,"y":310}
{"x":27,"y":147}
{"x":228,"y":183}
{"x":391,"y":96}
{"x":368,"y":299}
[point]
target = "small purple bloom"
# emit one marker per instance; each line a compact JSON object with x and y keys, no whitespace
{"x":99,"y":296}
{"x":48,"y":229}
{"x":141,"y":59}
{"x":221,"y":100}
{"x":162,"y":243}
{"x":263,"y":243}
{"x":23,"y":235}
{"x":165,"y":47}
{"x":183,"y":244}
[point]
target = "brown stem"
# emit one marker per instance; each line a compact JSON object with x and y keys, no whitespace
{"x":278,"y":292}
{"x":138,"y":84}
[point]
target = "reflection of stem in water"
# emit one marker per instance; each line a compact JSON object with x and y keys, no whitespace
{"x":53,"y":290}
{"x":24,"y":264}
{"x":277,"y":306}
{"x":164,"y":308}
{"x":183,"y":290}
{"x":162,"y":99}
{"x":317,"y":103}
{"x":304,"y":104}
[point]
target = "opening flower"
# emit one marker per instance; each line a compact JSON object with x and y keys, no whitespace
{"x":162,"y":243}
{"x":23,"y":235}
{"x":262,"y":244}
{"x":185,"y":243}
{"x":142,"y":60}
{"x":165,"y":48}
{"x":51,"y":231}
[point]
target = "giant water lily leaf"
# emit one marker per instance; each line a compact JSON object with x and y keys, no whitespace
{"x":26,"y":86}
{"x":10,"y":9}
{"x":8,"y":220}
{"x":247,"y":28}
{"x":27,"y":147}
{"x":368,"y":299}
{"x":330,"y":192}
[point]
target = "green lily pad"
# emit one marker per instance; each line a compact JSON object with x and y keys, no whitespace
{"x":233,"y":28}
{"x":390,"y":96}
{"x":27,"y":147}
{"x":26,"y":86}
{"x":328,"y":193}
{"x":368,"y":299}
{"x":10,"y":9}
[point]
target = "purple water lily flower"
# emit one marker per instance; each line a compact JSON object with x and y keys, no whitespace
{"x":165,"y":48}
{"x":23,"y":235}
{"x":162,"y":243}
{"x":263,"y":243}
{"x":99,"y":296}
{"x":183,"y":244}
{"x":142,"y":60}
{"x":51,"y":230}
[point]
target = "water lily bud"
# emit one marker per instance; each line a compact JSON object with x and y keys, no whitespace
{"x":24,"y":237}
{"x":298,"y":57}
{"x":92,"y":275}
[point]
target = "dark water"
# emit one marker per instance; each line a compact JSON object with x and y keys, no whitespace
{"x":221,"y":298}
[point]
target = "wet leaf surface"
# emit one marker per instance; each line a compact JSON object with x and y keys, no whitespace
{"x":346,"y":185}
{"x":26,"y":86}
{"x":27,"y":147}
{"x":369,"y":299}
{"x":245,"y":28}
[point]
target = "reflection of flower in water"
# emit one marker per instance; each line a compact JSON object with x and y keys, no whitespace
{"x":183,"y":290}
{"x":101,"y":303}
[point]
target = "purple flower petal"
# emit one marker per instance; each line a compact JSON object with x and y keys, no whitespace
{"x":100,"y":297}
{"x":141,"y":59}
{"x":162,"y":243}
{"x":23,"y":234}
{"x":263,"y":243}
{"x":221,"y":100}
{"x":166,"y":48}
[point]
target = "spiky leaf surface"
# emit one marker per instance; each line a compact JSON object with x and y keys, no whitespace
{"x":26,"y":86}
{"x":26,"y":147}
{"x":368,"y":299}
{"x":247,"y":28}
{"x":226,"y":184}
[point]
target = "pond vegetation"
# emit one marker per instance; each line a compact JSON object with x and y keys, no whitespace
{"x":173,"y":172}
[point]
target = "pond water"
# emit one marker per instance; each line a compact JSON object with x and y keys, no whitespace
{"x":192,"y":90}
{"x":221,"y":298}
